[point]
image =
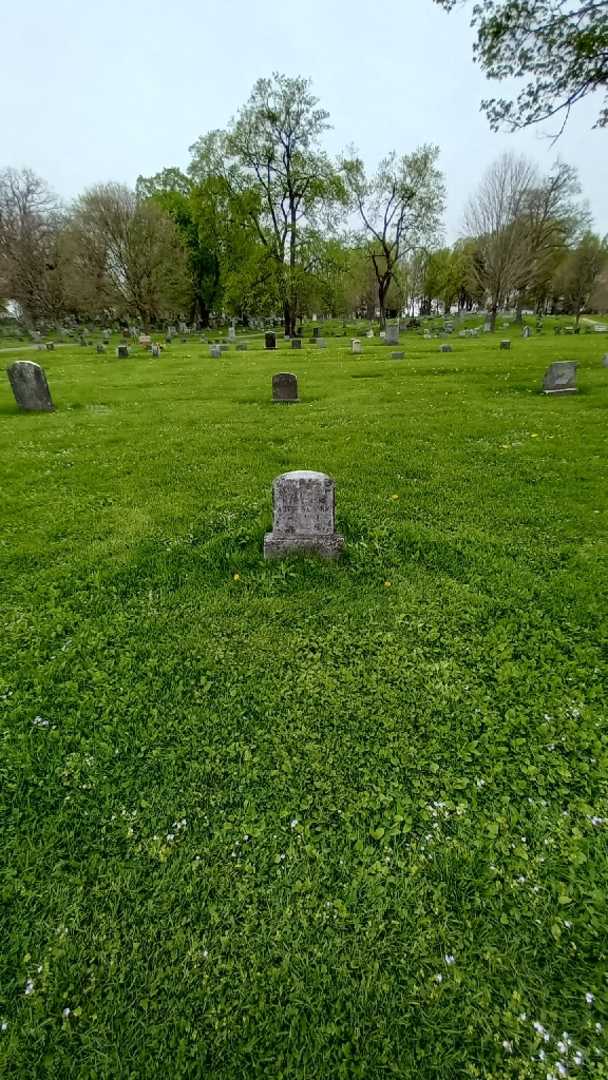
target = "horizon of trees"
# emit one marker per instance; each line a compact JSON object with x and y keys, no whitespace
{"x":264,"y":223}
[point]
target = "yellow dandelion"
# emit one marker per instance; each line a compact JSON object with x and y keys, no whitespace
{"x":394,"y":496}
{"x":236,"y":577}
{"x":535,"y":435}
{"x":387,"y":584}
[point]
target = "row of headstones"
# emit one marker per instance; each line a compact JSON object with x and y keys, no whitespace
{"x":31,"y":390}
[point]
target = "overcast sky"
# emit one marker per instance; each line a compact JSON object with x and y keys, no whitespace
{"x":106,"y":91}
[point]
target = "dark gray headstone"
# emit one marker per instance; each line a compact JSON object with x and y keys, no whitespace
{"x":29,"y":385}
{"x":122,"y":351}
{"x":270,"y":340}
{"x":316,"y":331}
{"x":101,"y":349}
{"x":560,"y":378}
{"x":215,"y":351}
{"x":445,"y":348}
{"x":284,"y":387}
{"x":304,"y":516}
{"x":296,"y":343}
{"x":505,"y":343}
{"x":50,"y":345}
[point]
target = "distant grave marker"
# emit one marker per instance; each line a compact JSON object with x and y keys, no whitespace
{"x":356,"y":347}
{"x":122,"y":352}
{"x":270,"y":340}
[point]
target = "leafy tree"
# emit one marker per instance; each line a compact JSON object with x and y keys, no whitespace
{"x":31,"y":220}
{"x":559,"y":46}
{"x":578,"y":275}
{"x":274,"y":171}
{"x":400,"y":209}
{"x":127,"y":256}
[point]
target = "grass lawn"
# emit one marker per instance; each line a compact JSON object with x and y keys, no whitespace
{"x":299,"y":819}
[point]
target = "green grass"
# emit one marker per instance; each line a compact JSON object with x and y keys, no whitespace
{"x":380,"y":763}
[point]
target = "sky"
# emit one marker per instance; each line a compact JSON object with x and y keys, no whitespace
{"x":93,"y":92}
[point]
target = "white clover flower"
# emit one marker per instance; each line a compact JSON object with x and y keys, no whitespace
{"x":3,"y":1026}
{"x":29,"y":987}
{"x":589,"y":997}
{"x":282,"y":856}
{"x":523,"y":1016}
{"x":293,"y":822}
{"x":438,"y":978}
{"x":246,"y":838}
{"x":507,"y":1045}
{"x":597,"y":820}
{"x":579,"y":1057}
{"x":170,"y":836}
{"x":541,"y":1055}
{"x":205,"y":954}
{"x":567,"y":924}
{"x":561,"y":1046}
{"x":561,"y":1068}
{"x":66,"y":1012}
{"x":449,"y":959}
{"x":599,"y":1028}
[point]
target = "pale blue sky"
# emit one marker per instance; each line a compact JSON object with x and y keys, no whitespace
{"x":105,"y":91}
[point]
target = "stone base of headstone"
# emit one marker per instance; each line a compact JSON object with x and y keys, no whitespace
{"x":279,"y":547}
{"x":565,"y":390}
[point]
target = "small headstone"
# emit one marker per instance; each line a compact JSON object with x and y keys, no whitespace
{"x":397,"y":355}
{"x":284,"y":387}
{"x":487,"y":328}
{"x":505,"y":343}
{"x":232,"y":332}
{"x":304,"y":516}
{"x":370,"y":334}
{"x":155,"y":349}
{"x":40,"y":347}
{"x":355,"y":346}
{"x":50,"y":345}
{"x":560,"y":378}
{"x":316,"y":330}
{"x":391,"y":335}
{"x":29,"y":385}
{"x":122,"y":351}
{"x":296,"y":343}
{"x":526,"y":332}
{"x":270,"y":340}
{"x":445,"y":348}
{"x":382,"y":334}
{"x":100,"y":349}
{"x":605,"y":360}
{"x":168,"y":339}
{"x":145,"y":340}
{"x":215,"y":351}
{"x":321,"y":343}
{"x":241,"y":346}
{"x":126,"y":332}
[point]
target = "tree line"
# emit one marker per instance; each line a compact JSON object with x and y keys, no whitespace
{"x":264,"y":222}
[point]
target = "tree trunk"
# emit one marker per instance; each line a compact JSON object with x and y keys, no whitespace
{"x":287,"y":317}
{"x":382,"y":291}
{"x":493,"y":312}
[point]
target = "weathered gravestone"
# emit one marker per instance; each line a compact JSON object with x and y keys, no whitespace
{"x":242,"y":346}
{"x":605,"y":360}
{"x":316,"y":330}
{"x":560,"y":378}
{"x":100,"y":349}
{"x":215,"y":351}
{"x":445,"y":348}
{"x":370,"y":334}
{"x":526,"y":332}
{"x":355,"y":346}
{"x":232,"y":332}
{"x":296,"y":343}
{"x":304,"y":516}
{"x":391,"y":335}
{"x":505,"y":343}
{"x":270,"y":340}
{"x":50,"y":345}
{"x":155,"y":349}
{"x":284,"y":387}
{"x":29,"y":385}
{"x":40,"y":347}
{"x":321,"y":343}
{"x":397,"y":355}
{"x":122,"y":351}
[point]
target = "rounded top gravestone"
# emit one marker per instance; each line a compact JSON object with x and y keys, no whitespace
{"x":284,"y":387}
{"x":29,"y":385}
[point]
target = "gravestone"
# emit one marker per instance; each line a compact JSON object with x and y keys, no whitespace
{"x":397,"y":355}
{"x":215,"y":351}
{"x":560,"y":378}
{"x":316,"y":330}
{"x":270,"y":340}
{"x":155,"y":349}
{"x":50,"y":345}
{"x":355,"y":346}
{"x":296,"y":343}
{"x":224,"y":347}
{"x":40,"y":347}
{"x":445,"y":348}
{"x":487,"y":328}
{"x":100,"y":349}
{"x":168,"y":339}
{"x":370,"y":334}
{"x":321,"y":343}
{"x":391,"y":335}
{"x":29,"y":385}
{"x":605,"y":360}
{"x":526,"y":332}
{"x":122,"y":351}
{"x":505,"y":343}
{"x":284,"y":387}
{"x":145,"y":341}
{"x":242,"y":346}
{"x":304,"y":516}
{"x":232,"y":332}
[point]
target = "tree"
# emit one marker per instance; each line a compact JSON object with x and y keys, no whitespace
{"x":274,"y":171}
{"x":30,"y":225}
{"x":560,"y":46}
{"x":580,"y":272}
{"x":127,"y":258}
{"x":400,"y":209}
{"x":496,"y":219}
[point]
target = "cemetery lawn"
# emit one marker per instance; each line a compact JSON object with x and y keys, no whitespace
{"x":305,"y":819}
